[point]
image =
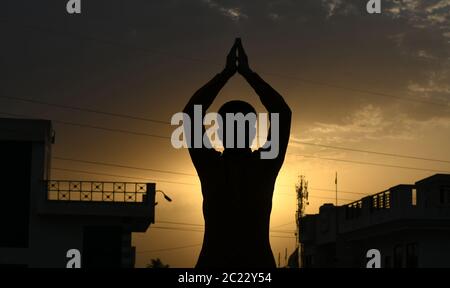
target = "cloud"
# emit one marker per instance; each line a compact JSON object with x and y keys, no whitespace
{"x":365,"y":122}
{"x":435,"y":86}
{"x":429,"y":87}
{"x":438,"y":6}
{"x":331,"y":6}
{"x":234,"y":13}
{"x":274,"y":16}
{"x":394,"y":11}
{"x":420,"y":13}
{"x":424,"y":54}
{"x":341,"y":7}
{"x":437,"y":18}
{"x":370,"y":123}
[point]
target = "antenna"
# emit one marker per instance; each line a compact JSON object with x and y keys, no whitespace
{"x":302,"y":201}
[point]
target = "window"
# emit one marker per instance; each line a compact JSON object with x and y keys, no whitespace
{"x":398,"y":256}
{"x":388,"y":199}
{"x":414,"y":197}
{"x":353,"y":210}
{"x":381,"y":201}
{"x":375,"y":202}
{"x":411,"y":255}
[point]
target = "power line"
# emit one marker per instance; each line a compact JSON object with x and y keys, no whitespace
{"x":340,"y":191}
{"x":94,"y":127}
{"x":195,"y":230}
{"x":146,"y":50}
{"x":176,"y":248}
{"x":370,"y":152}
{"x":283,"y":231}
{"x":169,"y":249}
{"x":372,"y":164}
{"x":285,"y":224}
{"x":180,"y":223}
{"x":201,"y":225}
{"x":166,"y":137}
{"x":173,"y":172}
{"x":296,"y":141}
{"x":82,"y":109}
{"x":274,"y":74}
{"x":121,"y":166}
{"x":111,"y":129}
{"x":325,"y":190}
{"x":318,"y":197}
{"x":177,"y":229}
{"x":301,"y":155}
{"x":166,"y":171}
{"x":285,"y":237}
{"x":157,"y":180}
{"x":119,"y":176}
{"x":318,"y":83}
{"x":169,"y":171}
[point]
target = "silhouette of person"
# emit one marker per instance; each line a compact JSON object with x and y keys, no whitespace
{"x":237,"y":185}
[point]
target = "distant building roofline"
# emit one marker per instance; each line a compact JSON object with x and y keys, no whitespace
{"x":15,"y":129}
{"x":435,"y":177}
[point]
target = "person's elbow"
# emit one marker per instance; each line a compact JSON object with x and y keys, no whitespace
{"x":189,"y":108}
{"x":286,"y":111}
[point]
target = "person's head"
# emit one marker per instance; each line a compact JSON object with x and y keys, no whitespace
{"x":242,"y":118}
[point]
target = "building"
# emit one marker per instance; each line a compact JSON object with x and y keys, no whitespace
{"x":408,"y":224}
{"x":42,"y":219}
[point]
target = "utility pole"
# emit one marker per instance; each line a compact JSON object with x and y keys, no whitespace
{"x":335,"y":183}
{"x":337,"y":221}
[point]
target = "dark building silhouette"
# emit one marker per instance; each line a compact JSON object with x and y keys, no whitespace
{"x":41,"y":219}
{"x":408,"y":224}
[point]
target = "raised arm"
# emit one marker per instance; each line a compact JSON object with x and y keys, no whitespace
{"x":206,"y":95}
{"x":271,"y":99}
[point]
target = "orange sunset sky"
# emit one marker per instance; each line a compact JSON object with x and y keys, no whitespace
{"x":367,"y":82}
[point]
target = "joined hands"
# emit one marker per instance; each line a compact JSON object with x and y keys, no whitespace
{"x":237,"y":61}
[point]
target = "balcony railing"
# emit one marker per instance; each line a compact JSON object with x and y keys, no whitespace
{"x":381,"y":200}
{"x":95,"y":191}
{"x":353,"y":210}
